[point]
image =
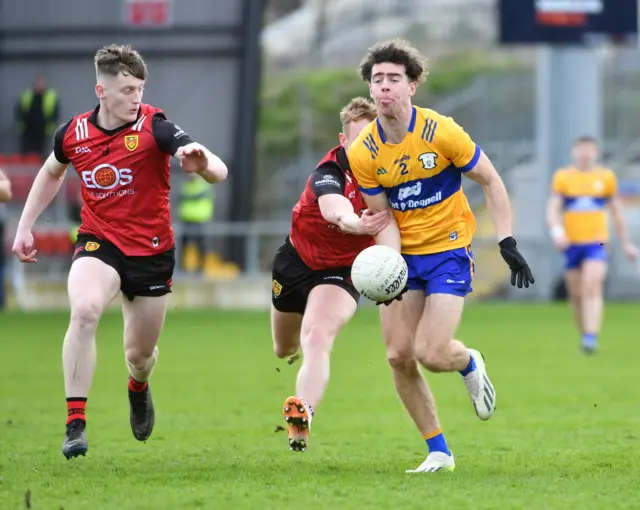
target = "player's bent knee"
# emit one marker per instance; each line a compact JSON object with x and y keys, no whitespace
{"x":317,"y":337}
{"x":85,"y":314}
{"x":592,"y":288}
{"x":574,"y":288}
{"x":284,"y":351}
{"x":139,"y":358}
{"x":593,"y":277}
{"x":285,"y":331}
{"x":592,"y":292}
{"x":434,"y":360}
{"x":575,"y":295}
{"x":403,"y":361}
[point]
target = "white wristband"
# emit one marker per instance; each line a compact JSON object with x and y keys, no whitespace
{"x":557,"y":231}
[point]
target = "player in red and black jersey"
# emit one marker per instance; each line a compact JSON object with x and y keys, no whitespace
{"x":121,"y":152}
{"x":312,"y":293}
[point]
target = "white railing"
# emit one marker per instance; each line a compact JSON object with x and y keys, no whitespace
{"x":43,"y":284}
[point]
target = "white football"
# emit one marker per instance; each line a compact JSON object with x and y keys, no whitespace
{"x":379,"y":273}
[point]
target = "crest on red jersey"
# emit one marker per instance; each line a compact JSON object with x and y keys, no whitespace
{"x":276,"y":288}
{"x":91,"y":246}
{"x":131,"y":142}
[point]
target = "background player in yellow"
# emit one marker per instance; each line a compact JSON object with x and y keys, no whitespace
{"x":411,"y":160}
{"x":577,"y":218}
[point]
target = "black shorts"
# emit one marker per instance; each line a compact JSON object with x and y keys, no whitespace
{"x":293,"y":280}
{"x":139,"y":276}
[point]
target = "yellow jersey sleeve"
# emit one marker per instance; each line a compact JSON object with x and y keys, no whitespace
{"x":558,"y":184}
{"x":363,"y":168}
{"x":453,"y":142}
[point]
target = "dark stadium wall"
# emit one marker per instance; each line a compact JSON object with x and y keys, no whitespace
{"x":196,"y":65}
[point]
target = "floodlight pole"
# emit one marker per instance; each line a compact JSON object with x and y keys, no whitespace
{"x":568,"y":105}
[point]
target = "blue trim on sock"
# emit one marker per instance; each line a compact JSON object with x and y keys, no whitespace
{"x":589,"y":339}
{"x":438,"y":444}
{"x":470,"y":367}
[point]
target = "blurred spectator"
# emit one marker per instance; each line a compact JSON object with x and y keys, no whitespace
{"x":196,"y":210}
{"x":5,"y":196}
{"x":37,"y":115}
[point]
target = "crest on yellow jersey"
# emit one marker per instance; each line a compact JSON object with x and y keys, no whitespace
{"x":131,"y":142}
{"x":428,"y":160}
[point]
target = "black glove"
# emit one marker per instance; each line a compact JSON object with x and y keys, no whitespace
{"x":520,"y":272}
{"x":398,"y":297}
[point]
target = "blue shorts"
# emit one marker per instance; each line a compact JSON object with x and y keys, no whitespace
{"x":448,"y":272}
{"x":576,"y":254}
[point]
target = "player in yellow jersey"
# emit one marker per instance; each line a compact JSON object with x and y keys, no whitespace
{"x":411,"y":160}
{"x":577,"y":217}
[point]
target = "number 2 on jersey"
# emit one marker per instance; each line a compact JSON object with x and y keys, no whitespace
{"x":403,"y":168}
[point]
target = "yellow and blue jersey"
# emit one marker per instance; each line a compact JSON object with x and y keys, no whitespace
{"x":422,"y":177}
{"x":585,"y":197}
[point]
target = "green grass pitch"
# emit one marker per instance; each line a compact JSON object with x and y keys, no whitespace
{"x":565,"y":435}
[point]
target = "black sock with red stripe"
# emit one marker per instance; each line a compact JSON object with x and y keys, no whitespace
{"x":137,"y":386}
{"x":76,"y":407}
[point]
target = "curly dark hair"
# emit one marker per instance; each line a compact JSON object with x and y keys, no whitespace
{"x":397,"y":51}
{"x":114,"y":59}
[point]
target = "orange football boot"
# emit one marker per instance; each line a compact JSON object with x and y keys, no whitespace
{"x":298,"y":419}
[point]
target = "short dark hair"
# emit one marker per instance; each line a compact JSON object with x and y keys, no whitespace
{"x":396,"y":51}
{"x":115,"y":59}
{"x":585,"y":139}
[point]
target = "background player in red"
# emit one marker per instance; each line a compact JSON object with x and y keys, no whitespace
{"x":312,"y":295}
{"x":121,"y":151}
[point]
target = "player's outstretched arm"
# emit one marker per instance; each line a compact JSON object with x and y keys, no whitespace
{"x":365,"y":171}
{"x":495,"y":191}
{"x":554,"y":221}
{"x":620,"y":225}
{"x":45,"y":187}
{"x":196,"y":158}
{"x":390,"y":235}
{"x":337,"y":209}
{"x":5,"y":188}
{"x":499,"y":205}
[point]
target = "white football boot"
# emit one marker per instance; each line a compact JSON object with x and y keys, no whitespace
{"x":481,"y":391}
{"x":435,"y":461}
